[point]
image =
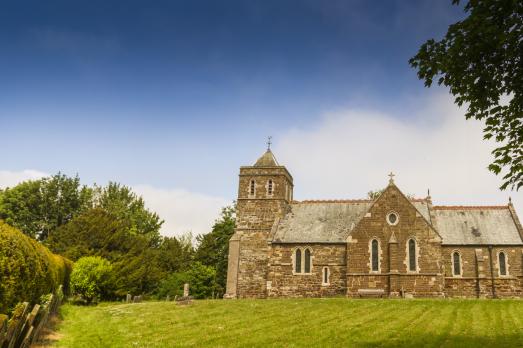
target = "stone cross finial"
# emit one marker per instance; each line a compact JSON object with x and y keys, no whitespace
{"x":269,"y":142}
{"x":391,"y":180}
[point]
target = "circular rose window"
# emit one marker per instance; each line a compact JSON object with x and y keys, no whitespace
{"x":392,"y":218}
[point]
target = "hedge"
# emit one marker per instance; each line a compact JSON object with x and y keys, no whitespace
{"x":28,"y":270}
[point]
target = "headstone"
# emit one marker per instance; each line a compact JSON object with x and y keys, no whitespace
{"x":185,"y":299}
{"x":186,"y":290}
{"x":129,"y":298}
{"x":168,"y":298}
{"x":137,"y":299}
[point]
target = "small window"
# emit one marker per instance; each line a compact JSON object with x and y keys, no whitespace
{"x":502,"y":259}
{"x":456,"y":263}
{"x":392,"y":218}
{"x":325,"y":275}
{"x":297,"y":261}
{"x":412,"y":255}
{"x":269,"y":187}
{"x":375,"y":256}
{"x":307,"y":261}
{"x":252,"y":187}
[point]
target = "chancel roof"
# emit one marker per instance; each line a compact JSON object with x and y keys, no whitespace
{"x":476,"y":225}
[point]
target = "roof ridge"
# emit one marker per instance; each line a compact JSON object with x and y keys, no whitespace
{"x":468,"y":207}
{"x":349,"y":200}
{"x":334,"y":201}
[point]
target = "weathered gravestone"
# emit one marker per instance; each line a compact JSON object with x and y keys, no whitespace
{"x":185,"y":299}
{"x":129,"y":298}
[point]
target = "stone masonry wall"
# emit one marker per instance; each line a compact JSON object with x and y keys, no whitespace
{"x":283,"y":282}
{"x":256,"y":215}
{"x":393,"y":275}
{"x":476,"y":277}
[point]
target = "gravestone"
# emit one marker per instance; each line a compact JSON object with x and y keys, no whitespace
{"x":185,"y":299}
{"x":129,"y":298}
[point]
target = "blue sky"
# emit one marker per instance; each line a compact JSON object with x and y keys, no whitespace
{"x":176,"y":95}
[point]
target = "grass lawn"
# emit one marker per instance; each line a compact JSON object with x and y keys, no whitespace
{"x":334,"y":322}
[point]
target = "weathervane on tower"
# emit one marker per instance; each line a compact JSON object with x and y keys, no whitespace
{"x":269,"y":142}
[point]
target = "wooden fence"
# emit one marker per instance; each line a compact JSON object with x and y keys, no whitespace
{"x":25,"y":326}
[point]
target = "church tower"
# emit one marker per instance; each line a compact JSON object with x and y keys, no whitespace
{"x":264,"y":195}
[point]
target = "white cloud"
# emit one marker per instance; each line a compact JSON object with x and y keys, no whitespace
{"x":182,"y":210}
{"x":351,"y":152}
{"x":12,"y":178}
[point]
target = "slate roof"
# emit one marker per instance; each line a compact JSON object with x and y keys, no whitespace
{"x":476,"y":225}
{"x":320,"y":221}
{"x":332,"y":222}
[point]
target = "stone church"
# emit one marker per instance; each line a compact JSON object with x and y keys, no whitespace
{"x":391,"y":246}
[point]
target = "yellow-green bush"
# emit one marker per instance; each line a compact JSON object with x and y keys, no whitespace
{"x":28,"y":270}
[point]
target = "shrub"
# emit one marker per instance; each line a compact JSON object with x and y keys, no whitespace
{"x":92,"y":278}
{"x":201,"y":279}
{"x":28,"y":270}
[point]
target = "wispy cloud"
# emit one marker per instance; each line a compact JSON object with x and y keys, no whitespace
{"x":351,"y":152}
{"x":183,"y":211}
{"x":12,"y":178}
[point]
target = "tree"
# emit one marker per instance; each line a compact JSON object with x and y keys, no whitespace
{"x":213,"y":248}
{"x":201,"y":280}
{"x":91,"y":278}
{"x":95,"y":232}
{"x":480,"y":59}
{"x":37,"y":207}
{"x":124,"y":204}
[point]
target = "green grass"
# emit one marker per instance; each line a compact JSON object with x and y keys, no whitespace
{"x":335,"y":322}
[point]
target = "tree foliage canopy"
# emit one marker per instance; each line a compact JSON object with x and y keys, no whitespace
{"x":38,"y":207}
{"x":213,"y":248}
{"x":481,"y":60}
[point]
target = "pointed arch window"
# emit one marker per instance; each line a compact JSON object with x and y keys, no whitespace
{"x":412,"y":255}
{"x":456,"y":264}
{"x":375,"y":262}
{"x":297,"y":261}
{"x":252,"y":187}
{"x":302,"y":261}
{"x":502,"y":262}
{"x":307,"y":268}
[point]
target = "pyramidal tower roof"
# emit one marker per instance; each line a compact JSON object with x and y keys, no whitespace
{"x":267,"y":160}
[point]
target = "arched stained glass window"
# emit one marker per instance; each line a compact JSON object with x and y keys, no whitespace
{"x":456,"y":262}
{"x":307,"y":261}
{"x":502,"y":264}
{"x":375,"y":256}
{"x":297,"y":261}
{"x":412,"y":255}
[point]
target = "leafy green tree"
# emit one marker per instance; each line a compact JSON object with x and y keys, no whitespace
{"x":213,"y":248}
{"x":176,"y":254}
{"x":480,"y":59}
{"x":201,"y":280}
{"x":38,"y":207}
{"x":91,"y":278}
{"x":124,"y":204}
{"x":96,"y":232}
{"x":138,"y":266}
